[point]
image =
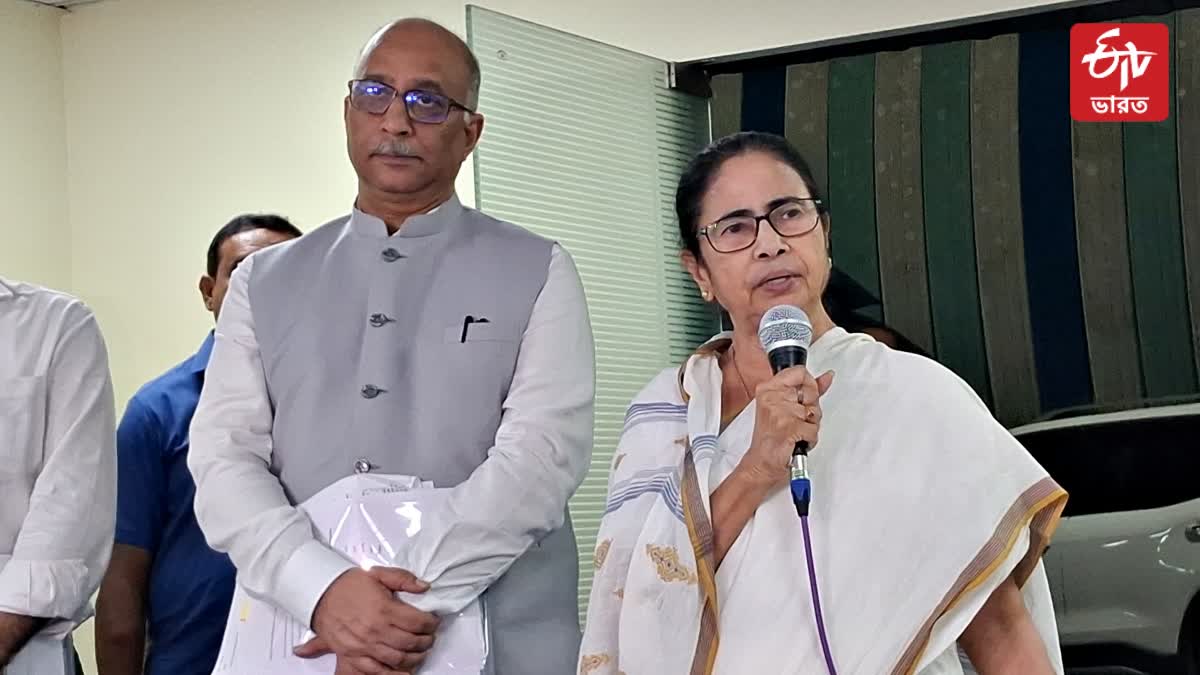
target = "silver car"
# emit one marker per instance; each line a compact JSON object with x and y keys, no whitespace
{"x":1124,"y":566}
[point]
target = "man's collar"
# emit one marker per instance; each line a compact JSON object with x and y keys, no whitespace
{"x":6,"y":291}
{"x":435,"y":221}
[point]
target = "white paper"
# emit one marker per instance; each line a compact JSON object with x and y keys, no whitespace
{"x":373,"y":520}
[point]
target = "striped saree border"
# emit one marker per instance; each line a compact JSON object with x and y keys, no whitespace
{"x":701,"y":534}
{"x":1039,"y":508}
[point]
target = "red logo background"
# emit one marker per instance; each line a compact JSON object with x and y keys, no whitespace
{"x":1147,"y":78}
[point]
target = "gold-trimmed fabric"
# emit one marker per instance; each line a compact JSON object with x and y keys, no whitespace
{"x":593,"y":662}
{"x":701,"y":536}
{"x":1039,"y":508}
{"x":601,"y":553}
{"x":669,"y":565}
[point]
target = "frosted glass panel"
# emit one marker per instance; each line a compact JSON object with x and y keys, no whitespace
{"x":584,"y":143}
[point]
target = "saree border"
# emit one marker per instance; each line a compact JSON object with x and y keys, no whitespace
{"x":701,"y":535}
{"x":1039,"y":508}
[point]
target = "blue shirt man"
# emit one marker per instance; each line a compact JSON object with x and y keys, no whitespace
{"x":165,"y":597}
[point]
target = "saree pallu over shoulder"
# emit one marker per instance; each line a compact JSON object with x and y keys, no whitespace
{"x":655,"y":544}
{"x":923,"y":506}
{"x":1039,"y":509}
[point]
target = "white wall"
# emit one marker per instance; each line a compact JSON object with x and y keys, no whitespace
{"x":35,"y":240}
{"x":182,"y":113}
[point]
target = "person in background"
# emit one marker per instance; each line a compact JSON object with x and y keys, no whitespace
{"x":57,"y":474}
{"x":164,"y":599}
{"x":854,"y":322}
{"x":414,"y":337}
{"x":846,"y":301}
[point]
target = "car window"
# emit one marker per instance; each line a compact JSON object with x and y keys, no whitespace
{"x":1127,"y":465}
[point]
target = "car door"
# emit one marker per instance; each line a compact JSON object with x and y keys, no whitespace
{"x":1056,"y":449}
{"x":1053,"y":563}
{"x":1127,"y":577}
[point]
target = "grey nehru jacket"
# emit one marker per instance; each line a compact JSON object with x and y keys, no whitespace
{"x":368,"y":358}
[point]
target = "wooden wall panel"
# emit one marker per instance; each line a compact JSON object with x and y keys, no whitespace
{"x":851,"y":173}
{"x":764,"y":99}
{"x":726,"y":106}
{"x":1047,"y":204}
{"x":1156,"y":254}
{"x":899,"y":214}
{"x":1103,"y":242}
{"x":999,"y":233}
{"x":949,"y":225}
{"x":1048,"y":263}
{"x":806,"y":122}
{"x":1187,"y":115}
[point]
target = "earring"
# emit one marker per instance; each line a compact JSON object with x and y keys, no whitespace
{"x":706,"y":295}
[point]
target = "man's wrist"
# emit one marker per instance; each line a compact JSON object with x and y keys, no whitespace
{"x":314,"y":620}
{"x":306,"y":576}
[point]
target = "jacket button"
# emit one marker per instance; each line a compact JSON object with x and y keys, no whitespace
{"x":371,"y":391}
{"x":391,"y":255}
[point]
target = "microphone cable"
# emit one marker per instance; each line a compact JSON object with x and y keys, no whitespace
{"x":801,"y":488}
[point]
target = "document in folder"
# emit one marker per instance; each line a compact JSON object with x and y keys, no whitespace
{"x":373,"y":520}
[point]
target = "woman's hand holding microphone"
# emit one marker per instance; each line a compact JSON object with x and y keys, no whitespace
{"x":788,"y":410}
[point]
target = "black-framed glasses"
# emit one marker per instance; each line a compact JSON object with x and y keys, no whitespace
{"x":794,"y":217}
{"x":428,"y":107}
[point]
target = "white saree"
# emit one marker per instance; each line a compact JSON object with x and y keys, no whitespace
{"x":922,"y":505}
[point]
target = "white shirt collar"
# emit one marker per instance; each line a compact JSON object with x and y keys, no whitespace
{"x":435,"y":221}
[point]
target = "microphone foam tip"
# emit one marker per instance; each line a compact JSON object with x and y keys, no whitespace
{"x":785,"y":326}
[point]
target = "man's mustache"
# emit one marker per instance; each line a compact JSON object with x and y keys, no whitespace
{"x":395,"y":149}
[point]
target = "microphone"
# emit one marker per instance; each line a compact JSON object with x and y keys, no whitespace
{"x":786,"y":334}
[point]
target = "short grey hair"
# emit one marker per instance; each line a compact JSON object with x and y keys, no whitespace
{"x":468,"y":56}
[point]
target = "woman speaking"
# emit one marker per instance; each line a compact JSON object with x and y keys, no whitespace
{"x":920,"y":546}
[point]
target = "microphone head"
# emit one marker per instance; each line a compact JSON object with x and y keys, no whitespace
{"x":785,"y":326}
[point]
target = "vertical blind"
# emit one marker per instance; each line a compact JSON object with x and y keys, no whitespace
{"x":584,"y":144}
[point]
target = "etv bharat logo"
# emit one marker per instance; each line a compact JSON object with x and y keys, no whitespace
{"x":1120,"y":72}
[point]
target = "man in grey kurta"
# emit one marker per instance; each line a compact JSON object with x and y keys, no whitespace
{"x":419,"y":337}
